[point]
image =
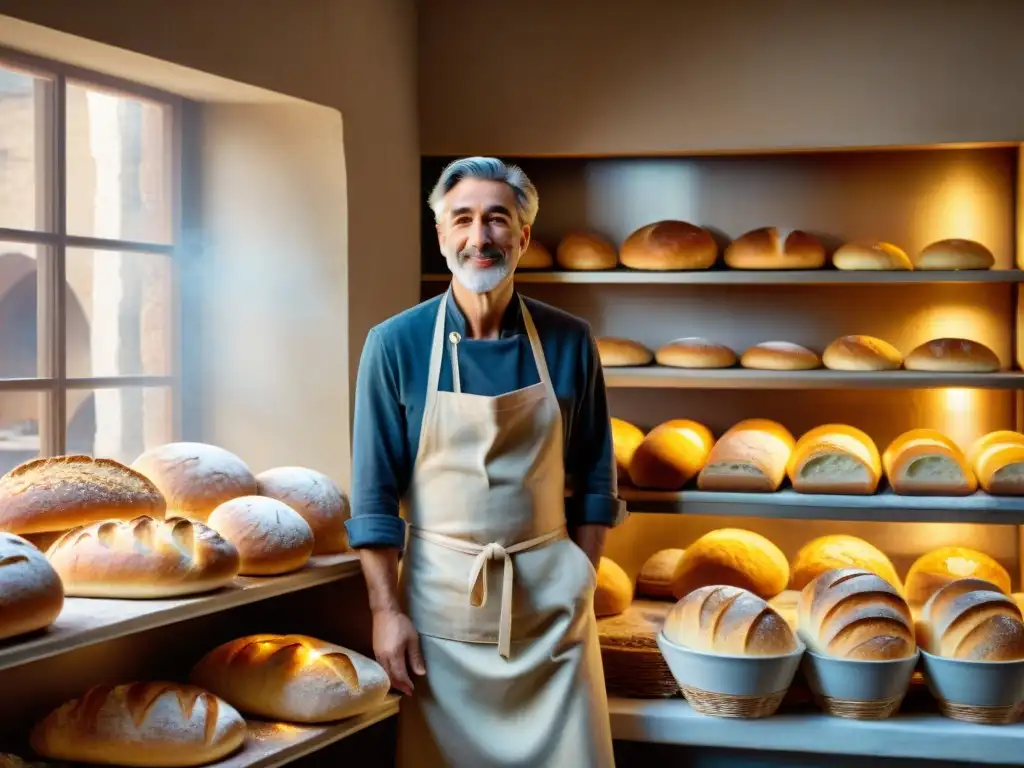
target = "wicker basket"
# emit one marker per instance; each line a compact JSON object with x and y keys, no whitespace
{"x":633,"y":666}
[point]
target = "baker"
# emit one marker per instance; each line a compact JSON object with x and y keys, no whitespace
{"x":476,"y":411}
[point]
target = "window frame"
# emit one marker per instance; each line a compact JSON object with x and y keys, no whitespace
{"x":51,"y":182}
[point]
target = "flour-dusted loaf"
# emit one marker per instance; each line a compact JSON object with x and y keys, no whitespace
{"x":695,"y":352}
{"x":780,"y":356}
{"x":750,"y":456}
{"x":271,"y":537}
{"x":871,"y":256}
{"x":954,"y":254}
{"x":839,"y":550}
{"x":626,"y":438}
{"x":925,"y":462}
{"x":615,"y":352}
{"x":861,"y":353}
{"x":670,"y":455}
{"x":62,"y":492}
{"x":669,"y":245}
{"x":614,"y":591}
{"x":143,"y":558}
{"x":734,"y":557}
{"x":31,"y":593}
{"x":655,"y":577}
{"x":937,"y":568}
{"x":294,"y":678}
{"x":586,"y":251}
{"x":316,"y":497}
{"x":147,"y":724}
{"x":952,"y":355}
{"x":774,"y":248}
{"x":196,"y":478}
{"x":970,"y":620}
{"x":835,"y":458}
{"x":536,"y":256}
{"x":997,"y":460}
{"x":723,"y":619}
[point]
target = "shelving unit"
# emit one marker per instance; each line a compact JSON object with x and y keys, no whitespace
{"x":756,"y":277}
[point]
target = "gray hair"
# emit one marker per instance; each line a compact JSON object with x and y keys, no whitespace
{"x":488,"y":169}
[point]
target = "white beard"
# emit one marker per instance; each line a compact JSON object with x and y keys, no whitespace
{"x":478,"y":279}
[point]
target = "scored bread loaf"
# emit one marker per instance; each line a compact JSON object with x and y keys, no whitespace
{"x":780,"y":356}
{"x":851,"y":613}
{"x":952,"y":355}
{"x":586,"y":251}
{"x":59,"y":493}
{"x":626,"y":438}
{"x":774,"y":248}
{"x":997,"y":460}
{"x":933,"y":570}
{"x":827,"y":553}
{"x":733,"y":557}
{"x":871,"y":256}
{"x":669,"y":245}
{"x":969,"y":619}
{"x":614,"y":591}
{"x":143,"y":558}
{"x":148,"y":724}
{"x":317,"y":499}
{"x":670,"y":455}
{"x":835,"y":458}
{"x":954,"y":254}
{"x":292,"y":678}
{"x":655,"y":578}
{"x":861,"y":353}
{"x":271,"y":537}
{"x":750,"y":456}
{"x":31,"y":592}
{"x":925,"y":462}
{"x":723,"y":619}
{"x":536,"y":256}
{"x":695,"y":352}
{"x":614,"y":352}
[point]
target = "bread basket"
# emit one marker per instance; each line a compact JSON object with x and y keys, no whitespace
{"x":858,"y":689}
{"x":633,"y":665}
{"x":985,"y":692}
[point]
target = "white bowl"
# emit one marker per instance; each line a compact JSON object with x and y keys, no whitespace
{"x":730,"y":675}
{"x":858,"y":680}
{"x":974,"y":683}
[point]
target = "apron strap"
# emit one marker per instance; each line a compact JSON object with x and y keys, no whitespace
{"x":538,"y":350}
{"x":434,"y":367}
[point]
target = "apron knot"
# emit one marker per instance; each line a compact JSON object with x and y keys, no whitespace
{"x":478,"y":573}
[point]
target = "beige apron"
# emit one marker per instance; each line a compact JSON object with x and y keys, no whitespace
{"x":502,"y":598}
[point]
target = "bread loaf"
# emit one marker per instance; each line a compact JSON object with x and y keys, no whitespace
{"x":655,"y":579}
{"x":772,"y":248}
{"x":149,"y":724}
{"x":271,"y":537}
{"x":871,"y":256}
{"x":586,"y":251}
{"x":695,"y":352}
{"x":835,"y":458}
{"x":933,"y":570}
{"x":924,"y":462}
{"x":780,"y":356}
{"x":31,"y":593}
{"x":63,"y":492}
{"x":723,"y":619}
{"x":952,"y":355}
{"x":536,"y":256}
{"x":670,"y":455}
{"x":954,"y":254}
{"x":320,"y":502}
{"x":292,"y":678}
{"x":861,"y":353}
{"x":750,"y":456}
{"x":626,"y":438}
{"x":615,"y":352}
{"x":851,"y":613}
{"x":787,"y":604}
{"x":827,"y":553}
{"x":967,"y":619}
{"x":614,"y":590}
{"x":997,"y":460}
{"x":669,"y":245}
{"x":143,"y":558}
{"x":733,"y":557}
{"x":196,"y":478}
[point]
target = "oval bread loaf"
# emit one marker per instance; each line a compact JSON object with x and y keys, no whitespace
{"x":614,"y":591}
{"x":536,"y":256}
{"x":952,"y":355}
{"x":669,"y":245}
{"x":695,"y":352}
{"x":655,"y":578}
{"x":826,"y":553}
{"x":271,"y":537}
{"x":969,"y":619}
{"x":871,"y":256}
{"x":954,"y":254}
{"x":626,"y":438}
{"x":733,"y":557}
{"x":670,"y":455}
{"x":722,"y":619}
{"x":31,"y":592}
{"x":317,"y":499}
{"x":835,"y":458}
{"x":586,"y":251}
{"x":934,"y":570}
{"x":925,"y":462}
{"x":614,"y":352}
{"x":997,"y":461}
{"x":861,"y":353}
{"x":780,"y":356}
{"x":774,"y":248}
{"x":750,"y":456}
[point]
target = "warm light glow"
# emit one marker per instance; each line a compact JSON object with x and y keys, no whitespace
{"x":958,"y":401}
{"x":961,"y":206}
{"x":961,"y":414}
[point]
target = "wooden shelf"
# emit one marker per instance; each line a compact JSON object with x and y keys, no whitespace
{"x":662,"y":377}
{"x":758,"y":277}
{"x":87,"y":621}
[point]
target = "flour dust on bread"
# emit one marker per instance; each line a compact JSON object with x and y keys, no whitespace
{"x":721,"y":619}
{"x":316,"y":497}
{"x":31,"y":592}
{"x":271,"y":537}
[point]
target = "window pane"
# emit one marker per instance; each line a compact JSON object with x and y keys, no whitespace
{"x":118,"y":313}
{"x":117,"y":174}
{"x":22,"y":164}
{"x":19,"y":427}
{"x":19,"y":319}
{"x":119,"y":423}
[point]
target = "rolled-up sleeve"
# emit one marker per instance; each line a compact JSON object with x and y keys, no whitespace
{"x":380,"y":464}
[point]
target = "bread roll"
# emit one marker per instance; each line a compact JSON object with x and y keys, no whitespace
{"x":861,"y":353}
{"x":733,"y":557}
{"x":536,"y":256}
{"x":723,"y":619}
{"x":271,"y":537}
{"x":316,"y":497}
{"x":952,"y":355}
{"x":143,"y":558}
{"x":669,"y":245}
{"x":31,"y":593}
{"x":655,"y":579}
{"x":750,"y":456}
{"x":292,"y":678}
{"x":997,"y":460}
{"x":851,"y":613}
{"x":835,"y":458}
{"x":967,"y":619}
{"x":63,"y":492}
{"x":871,"y":256}
{"x":780,"y":356}
{"x":196,"y":478}
{"x":586,"y":251}
{"x":933,"y":570}
{"x":149,"y":724}
{"x":827,"y":553}
{"x":772,"y":248}
{"x":954,"y":254}
{"x":615,"y":352}
{"x":695,"y":352}
{"x":626,"y":438}
{"x":614,"y":590}
{"x":670,"y":455}
{"x":924,"y":462}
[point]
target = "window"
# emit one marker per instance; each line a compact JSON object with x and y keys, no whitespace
{"x":88,"y":229}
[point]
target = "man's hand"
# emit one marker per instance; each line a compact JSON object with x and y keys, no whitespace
{"x":396,"y":644}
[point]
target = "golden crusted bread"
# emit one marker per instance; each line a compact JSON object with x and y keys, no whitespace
{"x":774,"y":248}
{"x":733,"y":557}
{"x":933,"y":570}
{"x":968,"y":619}
{"x":952,"y":355}
{"x":615,"y":352}
{"x":694,"y":352}
{"x":861,"y":353}
{"x":614,"y":590}
{"x":727,"y":620}
{"x":669,"y":245}
{"x":840,"y":551}
{"x":586,"y":251}
{"x":316,"y":497}
{"x":997,"y":460}
{"x":875,"y":255}
{"x":271,"y":537}
{"x":626,"y":438}
{"x":954,"y":253}
{"x":750,"y":456}
{"x":31,"y":593}
{"x":925,"y":462}
{"x":536,"y":256}
{"x":780,"y":356}
{"x":670,"y":455}
{"x":655,"y":578}
{"x":835,"y":458}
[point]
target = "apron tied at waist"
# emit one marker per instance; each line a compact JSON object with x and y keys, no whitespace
{"x":484,"y":553}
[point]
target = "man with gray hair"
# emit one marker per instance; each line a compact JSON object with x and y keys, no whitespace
{"x":483,"y":414}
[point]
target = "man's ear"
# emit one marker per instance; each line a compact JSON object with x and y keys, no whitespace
{"x":524,"y":238}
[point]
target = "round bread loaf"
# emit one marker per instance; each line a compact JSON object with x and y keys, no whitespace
{"x":143,"y":558}
{"x":773,"y":248}
{"x":954,"y":254}
{"x":655,"y":578}
{"x":60,"y":493}
{"x":780,"y":356}
{"x":934,"y":570}
{"x":997,"y":460}
{"x":271,"y":537}
{"x":626,"y":438}
{"x":316,"y":497}
{"x":968,"y":619}
{"x":615,"y":352}
{"x":695,"y":352}
{"x":196,"y":478}
{"x":952,"y":355}
{"x":851,"y":613}
{"x":723,"y":619}
{"x":871,"y":256}
{"x":614,"y":590}
{"x":750,"y":456}
{"x":861,"y":353}
{"x":835,"y":458}
{"x":31,"y":593}
{"x":292,"y":678}
{"x":147,"y":724}
{"x":669,"y":245}
{"x":733,"y":557}
{"x":587,"y":251}
{"x":536,"y":256}
{"x":925,"y":462}
{"x":827,"y":553}
{"x":670,"y":455}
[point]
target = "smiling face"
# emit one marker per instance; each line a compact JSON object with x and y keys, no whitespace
{"x":480,"y":234}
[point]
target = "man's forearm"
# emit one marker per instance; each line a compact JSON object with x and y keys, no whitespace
{"x":590,"y":538}
{"x":380,"y":569}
